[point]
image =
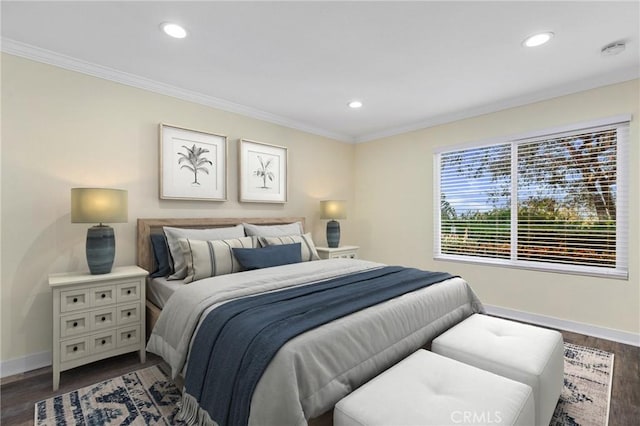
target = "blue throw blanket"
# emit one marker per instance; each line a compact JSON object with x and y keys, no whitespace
{"x":236,"y":341}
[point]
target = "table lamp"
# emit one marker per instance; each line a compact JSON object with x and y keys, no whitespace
{"x":332,"y":210}
{"x":91,"y":205}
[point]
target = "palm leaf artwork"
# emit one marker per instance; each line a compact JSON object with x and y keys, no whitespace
{"x":264,"y":173}
{"x":194,"y":160}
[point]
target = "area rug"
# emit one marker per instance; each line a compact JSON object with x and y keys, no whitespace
{"x":586,"y":395}
{"x":143,"y":397}
{"x":149,"y":397}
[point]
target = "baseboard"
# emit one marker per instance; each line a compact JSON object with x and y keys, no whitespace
{"x":24,"y":364}
{"x":561,"y":324}
{"x":43,"y":359}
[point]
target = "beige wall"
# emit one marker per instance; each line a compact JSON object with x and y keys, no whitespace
{"x":394,"y":212}
{"x":62,"y":129}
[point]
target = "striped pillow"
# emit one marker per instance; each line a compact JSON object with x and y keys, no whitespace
{"x":308,"y":249}
{"x":179,"y":268}
{"x":212,"y":258}
{"x":273,"y":230}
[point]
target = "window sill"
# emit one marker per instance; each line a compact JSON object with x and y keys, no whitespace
{"x":611,"y":273}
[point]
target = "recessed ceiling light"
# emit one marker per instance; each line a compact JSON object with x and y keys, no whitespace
{"x":537,"y":39}
{"x":355,"y":104}
{"x":173,"y":30}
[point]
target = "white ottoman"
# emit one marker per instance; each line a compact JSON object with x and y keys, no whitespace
{"x":528,"y":354}
{"x":428,"y":389}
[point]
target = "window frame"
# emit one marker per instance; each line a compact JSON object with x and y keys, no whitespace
{"x":621,"y":270}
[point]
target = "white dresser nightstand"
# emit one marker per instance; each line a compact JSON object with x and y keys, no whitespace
{"x":348,"y":252}
{"x":97,"y":317}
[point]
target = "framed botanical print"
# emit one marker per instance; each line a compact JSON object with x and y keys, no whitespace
{"x":193,"y":164}
{"x":263,"y":172}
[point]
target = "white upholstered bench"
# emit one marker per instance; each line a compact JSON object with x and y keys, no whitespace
{"x":429,"y":389}
{"x":527,"y":354}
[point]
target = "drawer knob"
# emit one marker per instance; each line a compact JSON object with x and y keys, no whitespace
{"x":75,"y":323}
{"x":75,"y":300}
{"x":75,"y":349}
{"x":104,"y":341}
{"x":103,"y":295}
{"x":104,"y":319}
{"x":128,"y":314}
{"x":128,"y":291}
{"x":129,"y":336}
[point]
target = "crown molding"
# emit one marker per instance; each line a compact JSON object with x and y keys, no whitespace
{"x":67,"y":62}
{"x":38,"y":54}
{"x":619,"y":76}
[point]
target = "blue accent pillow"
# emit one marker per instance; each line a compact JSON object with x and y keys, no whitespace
{"x":266,"y":257}
{"x":161,"y":254}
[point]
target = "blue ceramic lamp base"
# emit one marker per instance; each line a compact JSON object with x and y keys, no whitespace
{"x":101,"y":249}
{"x":333,"y":233}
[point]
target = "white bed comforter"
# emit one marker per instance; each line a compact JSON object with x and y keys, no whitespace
{"x":313,"y":371}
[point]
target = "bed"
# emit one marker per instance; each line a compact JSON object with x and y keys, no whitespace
{"x":315,"y":369}
{"x":144,"y":249}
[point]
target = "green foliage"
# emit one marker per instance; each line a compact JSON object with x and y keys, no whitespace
{"x":447,"y":212}
{"x":566,"y":190}
{"x":547,"y":231}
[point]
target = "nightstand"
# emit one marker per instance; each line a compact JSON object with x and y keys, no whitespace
{"x":349,"y":252}
{"x":97,"y":317}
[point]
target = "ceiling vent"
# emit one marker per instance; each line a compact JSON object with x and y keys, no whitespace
{"x":613,"y":48}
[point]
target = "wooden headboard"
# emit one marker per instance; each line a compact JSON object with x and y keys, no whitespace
{"x":146,"y":227}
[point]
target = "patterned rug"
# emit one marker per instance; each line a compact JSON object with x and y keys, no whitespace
{"x":143,"y":397}
{"x":586,"y":395}
{"x":149,"y":397}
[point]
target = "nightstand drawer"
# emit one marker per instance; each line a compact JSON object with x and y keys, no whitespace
{"x":344,"y":252}
{"x":103,"y":318}
{"x":128,"y":336}
{"x":96,"y":317}
{"x":128,"y":314}
{"x":73,"y":300}
{"x":74,"y":349}
{"x":344,"y":256}
{"x":103,"y":342}
{"x":71,"y":325}
{"x":101,"y":296}
{"x":128,"y":292}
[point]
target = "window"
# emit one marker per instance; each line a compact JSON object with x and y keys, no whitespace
{"x":554,"y":200}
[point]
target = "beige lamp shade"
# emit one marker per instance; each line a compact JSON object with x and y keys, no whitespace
{"x":333,"y":209}
{"x":99,"y":205}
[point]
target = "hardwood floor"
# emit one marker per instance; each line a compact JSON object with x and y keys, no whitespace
{"x":18,"y":394}
{"x":625,"y":388}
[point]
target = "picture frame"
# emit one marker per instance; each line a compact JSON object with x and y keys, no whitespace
{"x":193,"y":164}
{"x":263,"y":172}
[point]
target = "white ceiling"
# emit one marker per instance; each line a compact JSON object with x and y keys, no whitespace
{"x":413,"y":64}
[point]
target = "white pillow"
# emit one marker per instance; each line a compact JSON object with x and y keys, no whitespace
{"x":212,"y":258}
{"x":175,"y":234}
{"x":273,"y":230}
{"x":307,"y":248}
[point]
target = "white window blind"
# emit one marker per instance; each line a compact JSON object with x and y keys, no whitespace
{"x":475,"y":202}
{"x":553,"y":201}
